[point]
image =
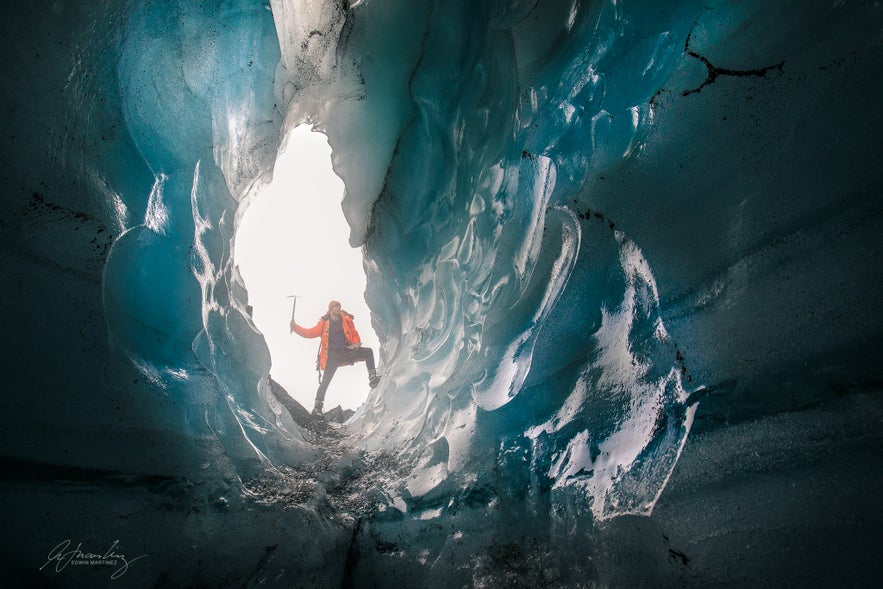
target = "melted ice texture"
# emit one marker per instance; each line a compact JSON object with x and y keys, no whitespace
{"x":520,"y":334}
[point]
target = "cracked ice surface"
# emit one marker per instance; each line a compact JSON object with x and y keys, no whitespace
{"x":567,"y":245}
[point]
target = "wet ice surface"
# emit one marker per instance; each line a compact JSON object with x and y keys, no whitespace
{"x":346,"y":483}
{"x":573,"y":216}
{"x":744,"y":506}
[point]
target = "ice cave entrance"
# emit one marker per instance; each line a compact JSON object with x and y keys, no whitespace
{"x":293,"y":239}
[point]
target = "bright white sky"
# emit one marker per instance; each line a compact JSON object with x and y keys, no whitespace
{"x":293,"y":240}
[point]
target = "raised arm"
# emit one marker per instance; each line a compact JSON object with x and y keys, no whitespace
{"x":308,"y":332}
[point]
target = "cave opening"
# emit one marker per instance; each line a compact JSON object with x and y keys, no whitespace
{"x":292,"y":240}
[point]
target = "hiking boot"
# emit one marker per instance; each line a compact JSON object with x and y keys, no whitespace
{"x":373,"y":378}
{"x":317,"y":409}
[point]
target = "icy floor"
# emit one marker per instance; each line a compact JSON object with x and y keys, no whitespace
{"x":345,"y":483}
{"x":787,"y":500}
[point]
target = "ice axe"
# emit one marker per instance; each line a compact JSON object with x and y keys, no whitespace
{"x":293,"y":306}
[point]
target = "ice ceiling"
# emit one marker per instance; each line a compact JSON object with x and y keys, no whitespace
{"x":589,"y":228}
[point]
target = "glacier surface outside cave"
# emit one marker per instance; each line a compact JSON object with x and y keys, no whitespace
{"x":623,"y":258}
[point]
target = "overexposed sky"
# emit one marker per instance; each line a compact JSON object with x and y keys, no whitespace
{"x":293,"y":240}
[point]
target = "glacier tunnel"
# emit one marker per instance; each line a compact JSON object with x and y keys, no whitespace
{"x":623,"y":259}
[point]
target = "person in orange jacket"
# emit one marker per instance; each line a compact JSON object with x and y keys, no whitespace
{"x":340,"y":346}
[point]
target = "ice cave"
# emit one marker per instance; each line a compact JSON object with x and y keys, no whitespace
{"x":623,"y":259}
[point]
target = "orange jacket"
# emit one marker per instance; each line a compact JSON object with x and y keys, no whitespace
{"x":321,"y":330}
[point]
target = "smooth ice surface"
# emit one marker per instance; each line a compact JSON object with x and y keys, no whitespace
{"x":599,"y":237}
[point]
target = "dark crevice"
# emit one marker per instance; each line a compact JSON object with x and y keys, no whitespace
{"x":16,"y":471}
{"x":713,"y":72}
{"x":352,"y":557}
{"x":678,"y":556}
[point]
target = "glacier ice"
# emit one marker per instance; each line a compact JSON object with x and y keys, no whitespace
{"x":623,"y":259}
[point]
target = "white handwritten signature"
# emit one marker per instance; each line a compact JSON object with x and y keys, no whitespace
{"x":64,"y":557}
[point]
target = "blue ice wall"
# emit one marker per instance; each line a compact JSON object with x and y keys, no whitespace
{"x":185,"y":120}
{"x":529,"y":323}
{"x":623,"y":259}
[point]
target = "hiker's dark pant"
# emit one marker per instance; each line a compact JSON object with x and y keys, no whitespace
{"x":337,"y":358}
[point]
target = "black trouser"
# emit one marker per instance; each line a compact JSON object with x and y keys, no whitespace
{"x":337,"y":358}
